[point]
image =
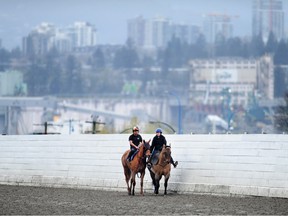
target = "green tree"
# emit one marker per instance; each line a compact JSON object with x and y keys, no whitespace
{"x":16,"y":53}
{"x":54,"y":72}
{"x":279,"y":82}
{"x":257,"y":47}
{"x":234,"y":47}
{"x":73,"y":77}
{"x":36,"y":79}
{"x":280,"y":57}
{"x":4,"y":59}
{"x":98,"y":59}
{"x":280,"y":72}
{"x":174,"y":53}
{"x":281,"y":116}
{"x":147,"y":61}
{"x":126,"y":56}
{"x":220,"y":46}
{"x":272,"y":44}
{"x":201,"y":47}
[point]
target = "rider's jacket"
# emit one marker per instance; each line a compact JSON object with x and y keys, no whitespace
{"x":157,"y":143}
{"x":136,"y":140}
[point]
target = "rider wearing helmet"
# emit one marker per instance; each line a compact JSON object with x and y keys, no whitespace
{"x":134,"y":140}
{"x":157,"y":144}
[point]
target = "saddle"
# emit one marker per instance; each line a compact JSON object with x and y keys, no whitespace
{"x":133,"y":155}
{"x":155,"y":158}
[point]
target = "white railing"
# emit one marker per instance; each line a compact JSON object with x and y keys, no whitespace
{"x":246,"y":164}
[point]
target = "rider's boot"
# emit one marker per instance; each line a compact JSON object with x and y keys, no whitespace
{"x":174,"y":163}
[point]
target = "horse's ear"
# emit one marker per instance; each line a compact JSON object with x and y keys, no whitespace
{"x":149,"y":140}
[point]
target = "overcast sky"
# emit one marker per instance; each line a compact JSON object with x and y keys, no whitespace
{"x":19,"y":17}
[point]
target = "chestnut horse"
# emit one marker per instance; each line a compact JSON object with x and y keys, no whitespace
{"x":162,"y":168}
{"x":137,"y":165}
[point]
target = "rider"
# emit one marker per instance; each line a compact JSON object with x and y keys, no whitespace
{"x":157,"y":143}
{"x":134,"y":140}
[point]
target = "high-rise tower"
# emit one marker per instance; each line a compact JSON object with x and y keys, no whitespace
{"x":268,"y":16}
{"x":217,"y":24}
{"x":136,"y":30}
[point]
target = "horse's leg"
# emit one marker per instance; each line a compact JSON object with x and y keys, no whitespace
{"x":156,"y":191}
{"x":152,"y":177}
{"x":127,"y":173}
{"x":141,"y":183}
{"x":133,"y":183}
{"x":166,"y":183}
{"x":157,"y":183}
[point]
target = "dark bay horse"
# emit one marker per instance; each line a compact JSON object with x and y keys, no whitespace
{"x":137,"y":165}
{"x":162,"y":168}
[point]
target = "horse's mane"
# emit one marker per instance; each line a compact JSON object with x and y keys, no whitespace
{"x":165,"y":155}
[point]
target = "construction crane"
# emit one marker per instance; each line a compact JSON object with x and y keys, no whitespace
{"x":223,"y":17}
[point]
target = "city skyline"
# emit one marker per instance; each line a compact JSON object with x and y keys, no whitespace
{"x":110,"y":17}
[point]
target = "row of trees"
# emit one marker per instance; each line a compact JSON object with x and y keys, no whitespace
{"x":55,"y":73}
{"x":177,"y":53}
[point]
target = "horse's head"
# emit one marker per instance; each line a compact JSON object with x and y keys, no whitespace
{"x":147,"y":147}
{"x":166,"y":152}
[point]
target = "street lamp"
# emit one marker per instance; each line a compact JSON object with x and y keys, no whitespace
{"x":179,"y":111}
{"x":159,"y":122}
{"x":227,"y":109}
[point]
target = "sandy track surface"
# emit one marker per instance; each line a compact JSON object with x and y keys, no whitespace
{"x":22,"y":200}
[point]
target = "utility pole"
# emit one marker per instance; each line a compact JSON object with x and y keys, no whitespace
{"x":94,"y":123}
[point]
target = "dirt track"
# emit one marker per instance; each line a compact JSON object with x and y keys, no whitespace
{"x":19,"y":200}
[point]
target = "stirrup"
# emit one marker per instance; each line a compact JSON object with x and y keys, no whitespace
{"x":149,"y":165}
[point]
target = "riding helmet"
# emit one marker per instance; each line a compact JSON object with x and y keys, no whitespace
{"x":135,"y":129}
{"x":158,"y":130}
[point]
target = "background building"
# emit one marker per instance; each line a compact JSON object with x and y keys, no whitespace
{"x":211,"y":77}
{"x":136,"y":30}
{"x":38,"y":42}
{"x":46,"y":36}
{"x":187,"y":33}
{"x":215,"y":25}
{"x":157,"y":32}
{"x":268,"y":16}
{"x":11,"y":83}
{"x":265,"y":77}
{"x":85,"y":34}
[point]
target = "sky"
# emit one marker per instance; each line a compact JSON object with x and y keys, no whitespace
{"x":19,"y":17}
